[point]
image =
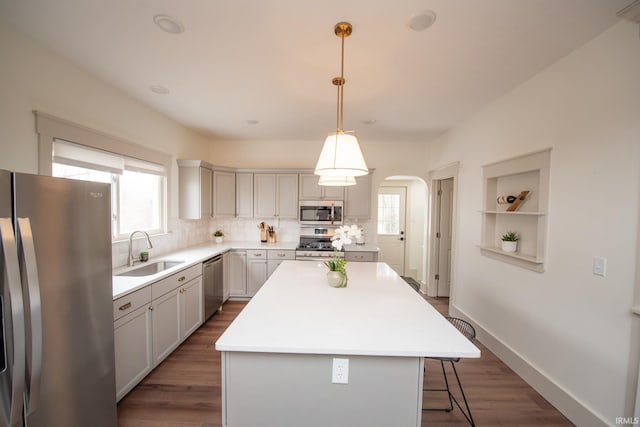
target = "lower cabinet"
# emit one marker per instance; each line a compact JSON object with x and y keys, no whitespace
{"x":238,"y":273}
{"x":191,"y":308}
{"x":151,"y":323}
{"x":275,"y":258}
{"x":133,"y":349}
{"x":256,"y":270}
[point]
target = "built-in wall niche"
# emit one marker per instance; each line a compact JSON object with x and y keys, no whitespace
{"x":504,"y":181}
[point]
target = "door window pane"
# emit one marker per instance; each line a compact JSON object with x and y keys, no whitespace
{"x":388,"y":214}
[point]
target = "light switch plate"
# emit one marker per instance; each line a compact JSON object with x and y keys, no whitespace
{"x":600,"y":266}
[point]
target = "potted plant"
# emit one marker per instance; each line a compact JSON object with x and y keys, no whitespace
{"x":219,"y":235}
{"x":510,"y":241}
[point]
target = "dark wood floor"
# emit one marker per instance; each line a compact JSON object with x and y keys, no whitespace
{"x":185,"y":389}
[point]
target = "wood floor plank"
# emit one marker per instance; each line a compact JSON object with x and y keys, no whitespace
{"x":185,"y":390}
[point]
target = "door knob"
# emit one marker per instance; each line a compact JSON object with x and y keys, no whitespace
{"x":402,"y":238}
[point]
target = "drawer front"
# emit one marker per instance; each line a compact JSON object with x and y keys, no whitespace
{"x":129,"y":303}
{"x":281,"y":255}
{"x":359,"y":256}
{"x":256,"y":254}
{"x":168,"y":284}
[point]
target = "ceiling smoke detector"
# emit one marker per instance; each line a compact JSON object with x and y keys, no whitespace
{"x":422,"y":20}
{"x":168,"y":24}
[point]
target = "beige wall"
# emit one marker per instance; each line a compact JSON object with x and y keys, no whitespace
{"x":34,"y":78}
{"x":566,"y":329}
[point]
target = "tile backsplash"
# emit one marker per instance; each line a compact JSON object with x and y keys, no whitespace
{"x":185,"y":233}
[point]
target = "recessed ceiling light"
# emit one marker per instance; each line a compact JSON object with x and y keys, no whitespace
{"x":160,"y":90}
{"x":253,"y":121}
{"x":369,"y":122}
{"x":168,"y":24}
{"x":422,"y":20}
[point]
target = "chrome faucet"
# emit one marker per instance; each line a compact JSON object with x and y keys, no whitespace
{"x":149,"y":245}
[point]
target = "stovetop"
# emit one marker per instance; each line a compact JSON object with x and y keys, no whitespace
{"x":316,"y":246}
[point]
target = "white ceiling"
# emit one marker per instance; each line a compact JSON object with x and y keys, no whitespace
{"x":273,"y":60}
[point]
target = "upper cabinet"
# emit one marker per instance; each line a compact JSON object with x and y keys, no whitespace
{"x":224,"y":194}
{"x":244,"y":195}
{"x":357,"y":200}
{"x":516,"y":193}
{"x":275,"y":195}
{"x":310,"y":190}
{"x":195,"y":184}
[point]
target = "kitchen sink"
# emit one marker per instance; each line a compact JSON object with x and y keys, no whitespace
{"x":149,"y":269}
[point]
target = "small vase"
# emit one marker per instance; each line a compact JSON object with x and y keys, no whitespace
{"x":337,"y":279}
{"x":219,"y":239}
{"x":509,"y":246}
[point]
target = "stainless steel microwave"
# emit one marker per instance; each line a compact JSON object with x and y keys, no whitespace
{"x":320,"y":212}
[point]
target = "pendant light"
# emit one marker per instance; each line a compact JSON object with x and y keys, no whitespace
{"x":341,"y":156}
{"x":337,"y":181}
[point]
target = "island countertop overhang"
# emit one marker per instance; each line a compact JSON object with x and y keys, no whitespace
{"x":377,"y":314}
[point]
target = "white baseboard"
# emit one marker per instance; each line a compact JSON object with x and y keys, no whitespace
{"x":571,"y":407}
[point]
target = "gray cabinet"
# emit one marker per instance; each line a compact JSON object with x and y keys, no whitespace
{"x":132,"y":340}
{"x":238,"y":273}
{"x":150,"y":323}
{"x":361,"y":256}
{"x":224,"y":194}
{"x":275,"y":258}
{"x":195,"y":189}
{"x":256,"y":270}
{"x":225,"y":276}
{"x":310,"y":190}
{"x":275,"y":195}
{"x":357,"y":200}
{"x":244,"y":195}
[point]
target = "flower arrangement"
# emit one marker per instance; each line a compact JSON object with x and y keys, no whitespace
{"x":341,"y":236}
{"x":218,"y":233}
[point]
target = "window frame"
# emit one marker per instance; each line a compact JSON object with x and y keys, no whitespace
{"x":50,"y":128}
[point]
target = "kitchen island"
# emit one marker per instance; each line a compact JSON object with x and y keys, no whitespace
{"x":278,"y":355}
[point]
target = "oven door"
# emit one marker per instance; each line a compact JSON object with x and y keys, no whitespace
{"x":320,"y":212}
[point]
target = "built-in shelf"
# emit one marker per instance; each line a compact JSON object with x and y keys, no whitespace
{"x":515,"y":213}
{"x":510,"y":177}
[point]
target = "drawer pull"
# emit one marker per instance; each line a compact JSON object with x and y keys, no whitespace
{"x":181,"y":279}
{"x":125,"y":306}
{"x":257,"y":254}
{"x":282,"y":255}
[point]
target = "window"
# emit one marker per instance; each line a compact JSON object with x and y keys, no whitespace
{"x":388,"y":214}
{"x":137,"y":187}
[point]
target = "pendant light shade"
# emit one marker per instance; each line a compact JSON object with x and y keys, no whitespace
{"x":337,"y":181}
{"x":340,"y":156}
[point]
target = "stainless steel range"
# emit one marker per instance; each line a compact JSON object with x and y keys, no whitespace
{"x":315,"y":245}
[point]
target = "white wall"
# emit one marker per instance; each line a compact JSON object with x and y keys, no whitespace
{"x":34,"y":78}
{"x":566,"y":329}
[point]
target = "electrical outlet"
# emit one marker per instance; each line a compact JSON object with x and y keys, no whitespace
{"x":600,"y":266}
{"x":340,"y":372}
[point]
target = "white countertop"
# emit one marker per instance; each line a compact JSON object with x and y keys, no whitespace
{"x":123,"y":285}
{"x":377,"y":314}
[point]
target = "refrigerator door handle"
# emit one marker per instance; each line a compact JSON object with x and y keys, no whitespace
{"x":15,"y":355}
{"x":29,"y":266}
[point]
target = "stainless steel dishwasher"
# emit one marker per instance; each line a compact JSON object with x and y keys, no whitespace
{"x":212,"y":271}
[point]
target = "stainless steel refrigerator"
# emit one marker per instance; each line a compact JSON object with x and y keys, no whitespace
{"x":57,"y":360}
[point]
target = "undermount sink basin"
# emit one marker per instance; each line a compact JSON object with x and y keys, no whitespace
{"x":149,"y":269}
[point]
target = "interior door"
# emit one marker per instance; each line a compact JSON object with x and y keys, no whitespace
{"x":391,"y":226}
{"x":443,"y":237}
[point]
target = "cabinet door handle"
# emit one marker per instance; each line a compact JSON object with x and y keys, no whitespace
{"x":281,"y":255}
{"x":151,"y":308}
{"x":182,"y":291}
{"x":125,"y":306}
{"x":181,"y":279}
{"x":257,"y":254}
